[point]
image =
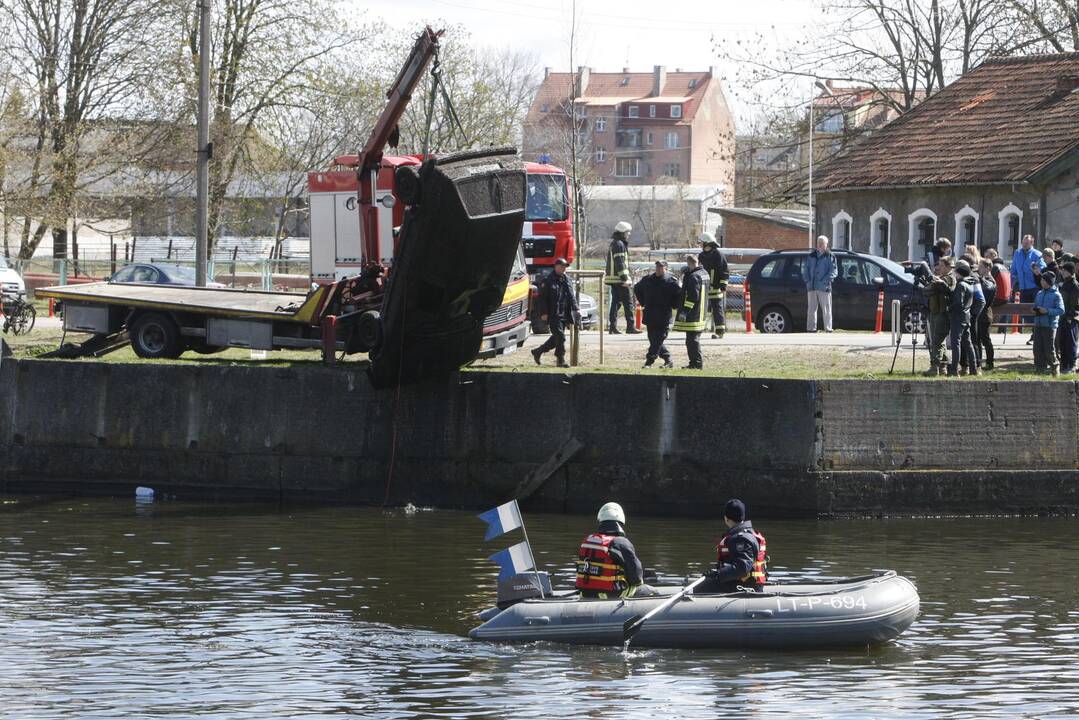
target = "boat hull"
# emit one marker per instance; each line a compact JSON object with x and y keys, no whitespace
{"x":849,"y":613}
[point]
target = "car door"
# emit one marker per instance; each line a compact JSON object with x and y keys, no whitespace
{"x":854,"y":294}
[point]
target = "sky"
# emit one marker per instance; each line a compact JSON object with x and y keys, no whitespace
{"x":629,"y":33}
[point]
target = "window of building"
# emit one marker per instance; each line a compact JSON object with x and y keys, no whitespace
{"x":544,"y":107}
{"x":651,"y":111}
{"x":650,"y":138}
{"x":693,"y":83}
{"x":634,"y":111}
{"x":831,"y":122}
{"x":625,"y":81}
{"x":673,"y":170}
{"x":628,"y":138}
{"x":627,"y":167}
{"x":921,"y":233}
{"x":601,"y":124}
{"x":601,"y":155}
{"x":841,"y":225}
{"x":1010,"y":224}
{"x":880,"y":226}
{"x":672,"y":139}
{"x":966,"y":229}
{"x":676,"y":111}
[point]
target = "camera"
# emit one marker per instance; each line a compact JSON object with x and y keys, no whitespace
{"x":920,"y":273}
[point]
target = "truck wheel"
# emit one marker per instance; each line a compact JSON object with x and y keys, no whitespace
{"x":155,"y":335}
{"x":369,"y":328}
{"x":407,"y":186}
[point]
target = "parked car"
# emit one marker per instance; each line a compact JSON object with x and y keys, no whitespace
{"x":158,"y":274}
{"x":11,"y":284}
{"x":779,"y":294}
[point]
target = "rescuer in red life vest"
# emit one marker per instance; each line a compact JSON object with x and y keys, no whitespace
{"x":607,"y":563}
{"x":742,"y":558}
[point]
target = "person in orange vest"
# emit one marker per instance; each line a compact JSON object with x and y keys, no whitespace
{"x":742,"y":555}
{"x":607,"y":562}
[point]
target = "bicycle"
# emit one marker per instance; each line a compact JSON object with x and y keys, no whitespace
{"x":19,"y":315}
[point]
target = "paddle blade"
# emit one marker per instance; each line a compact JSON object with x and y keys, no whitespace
{"x":631,"y":626}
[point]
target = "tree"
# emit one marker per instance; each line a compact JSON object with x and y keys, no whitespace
{"x":79,"y":63}
{"x":268,"y":55}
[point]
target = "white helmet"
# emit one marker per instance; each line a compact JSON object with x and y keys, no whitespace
{"x":611,"y":511}
{"x":707,"y":237}
{"x":623,"y":227}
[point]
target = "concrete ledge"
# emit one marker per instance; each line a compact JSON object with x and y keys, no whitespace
{"x":659,"y":445}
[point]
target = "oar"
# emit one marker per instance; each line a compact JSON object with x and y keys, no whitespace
{"x":632,"y":626}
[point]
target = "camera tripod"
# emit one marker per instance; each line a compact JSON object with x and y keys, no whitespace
{"x":913,"y":332}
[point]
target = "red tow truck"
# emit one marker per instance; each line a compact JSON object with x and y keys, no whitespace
{"x":422,"y":252}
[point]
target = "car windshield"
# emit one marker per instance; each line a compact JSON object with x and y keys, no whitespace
{"x":546,"y":197}
{"x":180,"y":274}
{"x":3,"y":264}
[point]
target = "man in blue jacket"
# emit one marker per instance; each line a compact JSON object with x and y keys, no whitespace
{"x":1048,"y":307}
{"x":1024,"y":278}
{"x":818,"y":272}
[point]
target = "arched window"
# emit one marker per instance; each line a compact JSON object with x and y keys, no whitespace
{"x":880,"y":233}
{"x":841,"y":226}
{"x":966,"y":229}
{"x":1009,"y":230}
{"x":921,"y":233}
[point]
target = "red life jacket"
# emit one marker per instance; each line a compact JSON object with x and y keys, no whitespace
{"x":596,"y":569}
{"x":759,"y":575}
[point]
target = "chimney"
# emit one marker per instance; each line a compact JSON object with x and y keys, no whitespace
{"x":583,"y":75}
{"x":659,"y":79}
{"x":1067,"y":84}
{"x":625,"y":71}
{"x":546,"y":73}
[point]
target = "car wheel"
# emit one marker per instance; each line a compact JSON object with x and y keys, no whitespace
{"x":775,"y":319}
{"x":154,"y":336}
{"x":369,"y":329}
{"x":913,"y":320}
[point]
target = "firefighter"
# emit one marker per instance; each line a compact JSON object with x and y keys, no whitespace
{"x":742,"y":555}
{"x":692,"y":310}
{"x":558,"y":308}
{"x":617,"y":278}
{"x":607,"y":563}
{"x":713,"y":262}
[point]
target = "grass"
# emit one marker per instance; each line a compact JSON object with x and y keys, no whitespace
{"x":720,"y":360}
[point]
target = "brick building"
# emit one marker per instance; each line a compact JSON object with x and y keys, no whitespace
{"x":771,"y":228}
{"x":634,"y":128}
{"x":988,"y":159}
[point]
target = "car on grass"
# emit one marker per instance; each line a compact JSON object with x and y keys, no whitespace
{"x":779,"y":300}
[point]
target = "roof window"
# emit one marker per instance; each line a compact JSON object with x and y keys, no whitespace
{"x":693,"y":83}
{"x":625,"y":81}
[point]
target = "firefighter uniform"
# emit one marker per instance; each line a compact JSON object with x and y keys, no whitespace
{"x":741,"y":561}
{"x":712,"y":260}
{"x":692,"y":313}
{"x":617,"y":278}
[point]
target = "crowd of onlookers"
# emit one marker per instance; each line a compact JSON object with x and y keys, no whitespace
{"x":963,"y":291}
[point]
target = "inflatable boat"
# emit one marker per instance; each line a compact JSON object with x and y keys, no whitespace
{"x":852,"y":612}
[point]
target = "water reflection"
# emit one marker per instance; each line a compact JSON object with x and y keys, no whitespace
{"x":113,"y":610}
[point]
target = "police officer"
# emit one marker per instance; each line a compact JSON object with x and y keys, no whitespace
{"x":713,"y":262}
{"x":607,"y":563}
{"x":658,"y":293}
{"x":692,"y":310}
{"x":558,"y":307}
{"x":742,"y":555}
{"x":617,"y":278}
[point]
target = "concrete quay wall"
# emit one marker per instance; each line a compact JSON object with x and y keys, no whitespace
{"x":661,"y":446}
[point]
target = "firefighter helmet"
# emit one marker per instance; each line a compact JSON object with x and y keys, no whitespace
{"x":611,"y":511}
{"x":623,"y":227}
{"x":708,"y":238}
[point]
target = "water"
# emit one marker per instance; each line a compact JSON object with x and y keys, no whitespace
{"x":110,"y":608}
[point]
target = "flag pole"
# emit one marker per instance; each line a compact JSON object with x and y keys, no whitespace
{"x":535,"y":569}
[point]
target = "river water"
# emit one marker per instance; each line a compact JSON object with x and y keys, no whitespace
{"x":113,"y":609}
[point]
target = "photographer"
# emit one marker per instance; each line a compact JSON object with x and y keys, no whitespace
{"x":983,"y":341}
{"x":962,"y":302}
{"x":939,"y":292}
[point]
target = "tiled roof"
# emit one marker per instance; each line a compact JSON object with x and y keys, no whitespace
{"x":608,"y":89}
{"x":798,"y":219}
{"x":1008,"y":120}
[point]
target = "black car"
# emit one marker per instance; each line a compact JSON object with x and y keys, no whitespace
{"x":779,"y":293}
{"x":158,"y":274}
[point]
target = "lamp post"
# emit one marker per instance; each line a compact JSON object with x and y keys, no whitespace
{"x":812,"y":218}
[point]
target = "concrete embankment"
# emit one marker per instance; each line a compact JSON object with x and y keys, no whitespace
{"x":661,"y":446}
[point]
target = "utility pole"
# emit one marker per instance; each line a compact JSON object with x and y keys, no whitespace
{"x":205,"y":149}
